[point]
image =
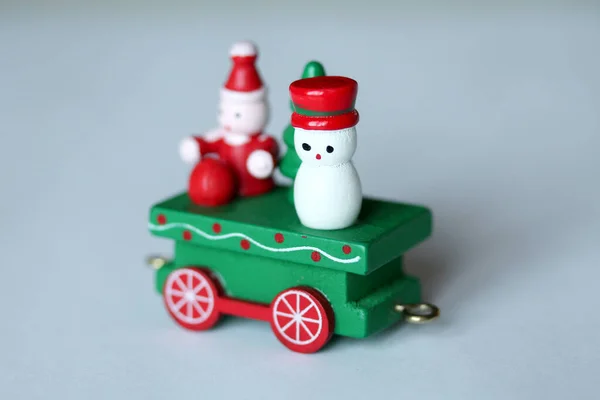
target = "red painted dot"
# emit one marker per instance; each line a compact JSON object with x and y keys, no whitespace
{"x":279,"y":238}
{"x":187,"y":235}
{"x":346,"y":249}
{"x":216,"y":228}
{"x":161,"y":219}
{"x":316,"y":256}
{"x":245,"y":244}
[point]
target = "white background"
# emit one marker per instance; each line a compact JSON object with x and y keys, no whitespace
{"x":487,"y":114}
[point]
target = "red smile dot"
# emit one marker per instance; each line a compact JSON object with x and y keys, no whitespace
{"x":245,"y":244}
{"x":187,"y":235}
{"x":279,"y":238}
{"x":217,"y":228}
{"x":161,"y":219}
{"x":316,"y":256}
{"x":346,"y":249}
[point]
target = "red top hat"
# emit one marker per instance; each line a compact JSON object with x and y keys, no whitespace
{"x":324,"y":103}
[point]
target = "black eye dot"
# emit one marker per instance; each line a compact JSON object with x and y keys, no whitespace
{"x":306,"y":146}
{"x":237,"y":115}
{"x":329,"y":149}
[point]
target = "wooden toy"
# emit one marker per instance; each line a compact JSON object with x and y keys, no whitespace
{"x":253,"y":258}
{"x":257,"y":256}
{"x":239,"y":141}
{"x":327,"y":189}
{"x":290,"y":163}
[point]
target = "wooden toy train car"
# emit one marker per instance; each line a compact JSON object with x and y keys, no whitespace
{"x":252,"y":258}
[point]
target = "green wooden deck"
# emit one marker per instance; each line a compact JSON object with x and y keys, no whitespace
{"x":267,"y":226}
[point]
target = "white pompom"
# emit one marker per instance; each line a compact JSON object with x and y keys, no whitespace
{"x":189,"y":150}
{"x":243,"y":49}
{"x":260,"y":164}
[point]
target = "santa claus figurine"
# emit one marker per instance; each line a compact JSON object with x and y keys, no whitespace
{"x":239,"y":141}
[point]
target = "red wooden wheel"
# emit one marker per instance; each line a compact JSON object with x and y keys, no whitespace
{"x":190,"y":296}
{"x":302,"y":319}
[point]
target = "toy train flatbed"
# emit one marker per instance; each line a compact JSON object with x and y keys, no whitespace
{"x":252,"y":258}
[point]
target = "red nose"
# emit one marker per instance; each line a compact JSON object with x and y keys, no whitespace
{"x":318,"y":156}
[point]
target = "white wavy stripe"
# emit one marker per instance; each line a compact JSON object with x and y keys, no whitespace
{"x":241,"y":235}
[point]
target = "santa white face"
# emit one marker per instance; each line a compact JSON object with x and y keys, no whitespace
{"x":243,"y":117}
{"x":325,"y":148}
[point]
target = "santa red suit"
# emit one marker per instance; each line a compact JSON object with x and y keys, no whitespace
{"x":239,"y":141}
{"x":251,"y":157}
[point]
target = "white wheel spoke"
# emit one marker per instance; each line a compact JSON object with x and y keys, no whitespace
{"x":199,"y":309}
{"x":201,"y":286}
{"x":317,"y":321}
{"x":297,"y":303}
{"x":180,"y":304}
{"x":175,"y":292}
{"x":190,"y":281}
{"x":287,"y":303}
{"x":287,"y":325}
{"x":297,"y":331}
{"x":188,"y":310}
{"x":306,"y":330}
{"x":307,"y":309}
{"x":284,"y":314}
{"x":203,"y":299}
{"x":181,"y":284}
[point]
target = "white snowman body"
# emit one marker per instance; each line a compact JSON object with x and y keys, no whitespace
{"x":327,"y":188}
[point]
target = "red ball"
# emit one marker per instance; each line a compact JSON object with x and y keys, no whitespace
{"x":211,"y":183}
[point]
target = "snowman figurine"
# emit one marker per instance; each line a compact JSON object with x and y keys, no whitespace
{"x":327,"y":188}
{"x":239,"y":141}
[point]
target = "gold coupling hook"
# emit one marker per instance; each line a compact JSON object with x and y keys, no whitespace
{"x":419,"y":313}
{"x":156,"y":262}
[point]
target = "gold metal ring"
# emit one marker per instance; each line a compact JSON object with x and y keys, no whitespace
{"x":156,"y":262}
{"x":419,"y":313}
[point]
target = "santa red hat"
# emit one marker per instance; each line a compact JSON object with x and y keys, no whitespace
{"x":244,"y":83}
{"x":324,"y":103}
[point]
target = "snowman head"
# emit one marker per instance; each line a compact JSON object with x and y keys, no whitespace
{"x":325,"y":148}
{"x":243,"y":117}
